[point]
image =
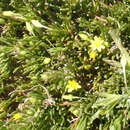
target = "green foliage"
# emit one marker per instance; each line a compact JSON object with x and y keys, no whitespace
{"x":48,"y":48}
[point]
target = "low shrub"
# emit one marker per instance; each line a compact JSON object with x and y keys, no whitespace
{"x":64,"y":64}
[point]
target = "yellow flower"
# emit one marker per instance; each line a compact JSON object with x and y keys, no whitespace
{"x":17,"y":116}
{"x":72,"y":85}
{"x":92,"y":54}
{"x":1,"y":109}
{"x":98,"y":44}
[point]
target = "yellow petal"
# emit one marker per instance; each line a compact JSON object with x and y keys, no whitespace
{"x":17,"y":116}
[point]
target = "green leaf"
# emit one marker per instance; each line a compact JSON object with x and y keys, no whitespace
{"x":9,"y":13}
{"x":29,"y":28}
{"x":112,"y":62}
{"x":96,"y":115}
{"x":84,"y":37}
{"x":115,"y":36}
{"x":75,"y":110}
{"x":117,"y":123}
{"x":109,"y":102}
{"x":37,"y":24}
{"x":82,"y":123}
{"x":69,"y":97}
{"x":57,"y":50}
{"x":13,"y":15}
{"x":2,"y":21}
{"x":123,"y":63}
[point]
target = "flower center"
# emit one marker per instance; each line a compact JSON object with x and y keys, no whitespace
{"x":97,"y":44}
